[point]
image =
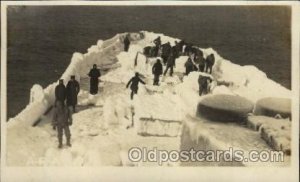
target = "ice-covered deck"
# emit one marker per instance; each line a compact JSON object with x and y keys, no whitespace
{"x":164,"y":116}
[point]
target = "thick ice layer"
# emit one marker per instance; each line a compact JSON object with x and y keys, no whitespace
{"x":158,"y":107}
{"x":276,"y":132}
{"x":204,"y":135}
{"x":156,"y":127}
{"x":158,"y":116}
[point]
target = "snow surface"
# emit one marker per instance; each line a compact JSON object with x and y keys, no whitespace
{"x":102,"y":132}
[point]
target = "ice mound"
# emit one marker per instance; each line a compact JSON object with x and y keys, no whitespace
{"x":224,"y":108}
{"x":117,"y":110}
{"x":37,"y":93}
{"x":158,"y":116}
{"x":246,"y":81}
{"x":34,"y":110}
{"x":129,"y":63}
{"x":272,"y":106}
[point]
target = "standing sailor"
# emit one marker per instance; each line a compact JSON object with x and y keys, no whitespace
{"x":157,"y":43}
{"x":166,"y":49}
{"x":210,"y":61}
{"x":94,"y":75}
{"x":72,"y":92}
{"x":126,"y":43}
{"x":62,"y":119}
{"x":60,"y":92}
{"x":202,"y":63}
{"x":157,"y":70}
{"x":170,"y":64}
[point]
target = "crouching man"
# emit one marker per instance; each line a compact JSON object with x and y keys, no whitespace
{"x":62,"y":119}
{"x":204,"y":85}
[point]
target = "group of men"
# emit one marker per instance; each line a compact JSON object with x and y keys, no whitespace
{"x":65,"y":97}
{"x":195,"y":62}
{"x":204,"y":65}
{"x":67,"y":94}
{"x":66,"y":101}
{"x":169,"y":54}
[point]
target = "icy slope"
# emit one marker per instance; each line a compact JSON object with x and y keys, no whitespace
{"x":101,"y":133}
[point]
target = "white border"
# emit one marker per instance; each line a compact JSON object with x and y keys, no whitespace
{"x":150,"y":3}
{"x":3,"y":84}
{"x":156,"y":173}
{"x":295,"y":84}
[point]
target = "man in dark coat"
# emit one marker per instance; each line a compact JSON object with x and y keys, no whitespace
{"x":94,"y":75}
{"x":188,"y":49}
{"x":189,"y":66}
{"x":126,"y":43}
{"x":166,"y":49}
{"x":181,"y":44}
{"x":62,"y":119}
{"x":60,"y":92}
{"x":157,"y":43}
{"x":134,"y":81}
{"x":177,"y":49}
{"x":72,"y":92}
{"x":170,"y":64}
{"x":210,"y":61}
{"x":202,"y":63}
{"x":157,"y":70}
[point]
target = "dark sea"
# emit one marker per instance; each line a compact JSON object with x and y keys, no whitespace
{"x":41,"y":40}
